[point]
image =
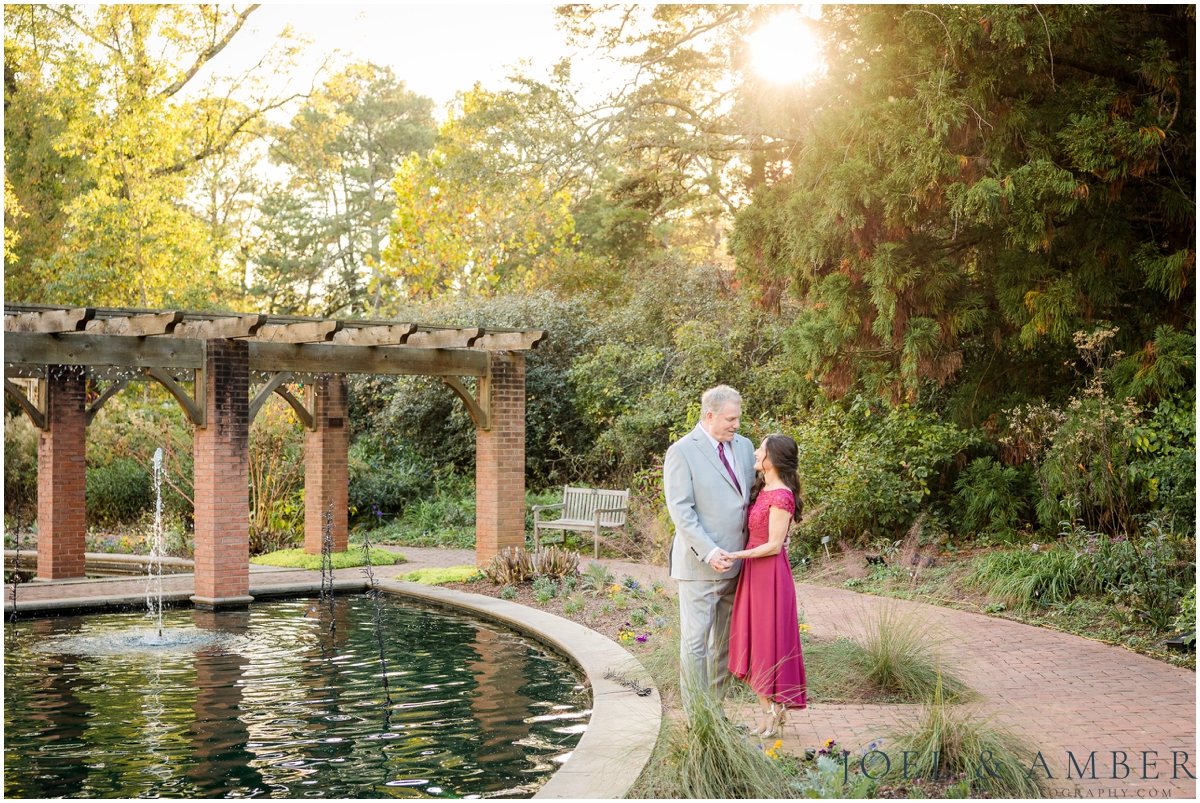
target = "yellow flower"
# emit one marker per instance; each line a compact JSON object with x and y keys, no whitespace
{"x":778,"y":744}
{"x":804,"y":628}
{"x":615,"y":588}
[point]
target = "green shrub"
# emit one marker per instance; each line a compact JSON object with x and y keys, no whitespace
{"x":1149,"y":573}
{"x":991,"y":498}
{"x":351,"y":558}
{"x":573,"y":604}
{"x":1185,"y":622}
{"x":382,"y":485}
{"x":865,"y":466}
{"x":20,"y":467}
{"x":276,"y":478}
{"x":1164,"y":464}
{"x":508,"y":592}
{"x":118,"y":493}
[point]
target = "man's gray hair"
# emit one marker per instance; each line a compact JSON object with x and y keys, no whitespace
{"x":714,"y":399}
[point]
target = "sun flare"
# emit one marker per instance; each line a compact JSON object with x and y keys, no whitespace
{"x":784,"y":49}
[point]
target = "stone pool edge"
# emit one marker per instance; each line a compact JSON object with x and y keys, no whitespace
{"x":623,"y":728}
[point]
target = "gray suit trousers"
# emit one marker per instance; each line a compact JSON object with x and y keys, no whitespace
{"x":705,"y":614}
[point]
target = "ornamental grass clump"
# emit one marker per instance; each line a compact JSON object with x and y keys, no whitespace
{"x":898,"y":657}
{"x":1023,"y":580}
{"x":710,"y":759}
{"x":952,"y":740}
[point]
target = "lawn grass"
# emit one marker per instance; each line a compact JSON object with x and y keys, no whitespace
{"x":433,"y":576}
{"x":299,"y":559}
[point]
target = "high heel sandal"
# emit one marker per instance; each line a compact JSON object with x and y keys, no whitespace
{"x":778,"y":720}
{"x":763,"y":730}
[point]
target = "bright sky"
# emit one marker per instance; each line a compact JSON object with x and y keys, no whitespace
{"x":436,"y":50}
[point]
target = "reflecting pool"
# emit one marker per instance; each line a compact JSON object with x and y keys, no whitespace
{"x":274,"y":702}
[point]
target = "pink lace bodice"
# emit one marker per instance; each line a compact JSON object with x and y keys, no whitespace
{"x":760,"y":514}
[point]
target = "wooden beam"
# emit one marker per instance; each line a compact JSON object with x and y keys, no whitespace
{"x":445,"y":338}
{"x":328,"y":358}
{"x":180,"y":353}
{"x":130,"y":352}
{"x":307,"y":416}
{"x":194,"y":407}
{"x":51,"y":321}
{"x":109,"y":392}
{"x":375,"y":335}
{"x":510,"y":341}
{"x":137,"y":325}
{"x":477,"y":408}
{"x":234,"y":326}
{"x":315,"y":332}
{"x":264,"y":393}
{"x":35,"y":415}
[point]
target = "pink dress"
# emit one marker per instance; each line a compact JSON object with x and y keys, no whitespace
{"x":764,"y":638}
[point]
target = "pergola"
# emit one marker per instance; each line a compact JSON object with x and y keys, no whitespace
{"x":221,"y":367}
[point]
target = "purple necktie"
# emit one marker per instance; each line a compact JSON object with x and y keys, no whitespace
{"x":729,"y":468}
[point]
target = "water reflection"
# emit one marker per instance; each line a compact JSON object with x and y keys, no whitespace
{"x":277,"y":707}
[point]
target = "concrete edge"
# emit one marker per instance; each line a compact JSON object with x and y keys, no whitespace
{"x":624,"y":727}
{"x":65,"y":606}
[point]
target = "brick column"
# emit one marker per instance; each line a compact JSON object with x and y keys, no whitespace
{"x":222,"y":479}
{"x":500,"y":461}
{"x":62,"y":476}
{"x":325,"y":464}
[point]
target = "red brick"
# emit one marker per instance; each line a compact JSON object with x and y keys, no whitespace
{"x":326,"y":456}
{"x":62,"y":476}
{"x":222,"y":475}
{"x":500,"y":461}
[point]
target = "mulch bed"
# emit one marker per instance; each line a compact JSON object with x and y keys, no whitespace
{"x":599,"y":611}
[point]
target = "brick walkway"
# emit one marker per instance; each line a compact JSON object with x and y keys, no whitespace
{"x":1059,"y":691}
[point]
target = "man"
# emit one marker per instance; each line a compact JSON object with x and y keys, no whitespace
{"x":707,"y":476}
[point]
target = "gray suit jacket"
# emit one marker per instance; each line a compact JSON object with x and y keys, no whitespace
{"x":705,"y":506}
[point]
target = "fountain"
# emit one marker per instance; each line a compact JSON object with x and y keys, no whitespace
{"x":377,"y":620}
{"x":154,"y":602}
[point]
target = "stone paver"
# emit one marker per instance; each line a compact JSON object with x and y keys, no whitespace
{"x":1059,"y":691}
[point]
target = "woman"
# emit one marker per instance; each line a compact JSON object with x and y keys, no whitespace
{"x":764,"y":640}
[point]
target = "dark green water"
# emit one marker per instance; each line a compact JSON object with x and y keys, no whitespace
{"x":269,"y":703}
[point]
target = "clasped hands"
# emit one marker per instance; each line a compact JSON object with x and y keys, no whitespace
{"x":721,"y":561}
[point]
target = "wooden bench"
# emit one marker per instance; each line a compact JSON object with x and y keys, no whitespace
{"x":584,"y":510}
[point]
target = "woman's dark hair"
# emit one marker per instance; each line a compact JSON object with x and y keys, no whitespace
{"x":784,"y":456}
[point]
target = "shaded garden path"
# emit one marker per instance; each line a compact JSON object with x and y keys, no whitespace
{"x":1060,"y":691}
